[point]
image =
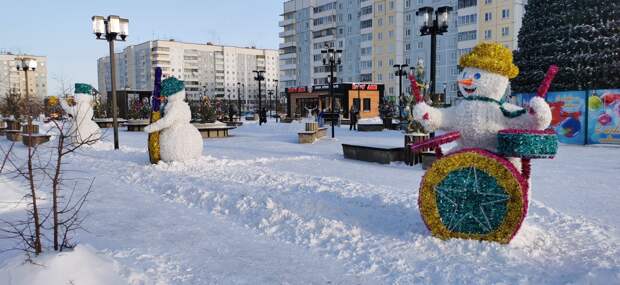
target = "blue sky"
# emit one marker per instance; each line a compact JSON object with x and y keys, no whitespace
{"x":61,"y":29}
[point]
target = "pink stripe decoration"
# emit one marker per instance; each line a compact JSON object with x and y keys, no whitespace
{"x":436,"y":141}
{"x":544,"y":86}
{"x":525,"y":132}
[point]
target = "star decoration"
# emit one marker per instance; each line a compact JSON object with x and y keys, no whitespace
{"x":471,"y":201}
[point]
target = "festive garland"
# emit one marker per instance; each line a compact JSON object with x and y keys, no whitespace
{"x":504,"y":218}
{"x":527,"y":143}
{"x":436,"y":141}
{"x":506,"y":113}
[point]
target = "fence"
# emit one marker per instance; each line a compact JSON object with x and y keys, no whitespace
{"x":583,"y":117}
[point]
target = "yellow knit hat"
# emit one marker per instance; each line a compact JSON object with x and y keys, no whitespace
{"x":492,"y":57}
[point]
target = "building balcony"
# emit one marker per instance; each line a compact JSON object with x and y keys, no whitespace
{"x":288,"y":55}
{"x":286,"y":22}
{"x":288,"y":44}
{"x":284,"y":34}
{"x":288,"y":66}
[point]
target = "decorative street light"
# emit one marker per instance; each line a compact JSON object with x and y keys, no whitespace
{"x":27,"y":64}
{"x":112,"y":29}
{"x":400,"y":70}
{"x":259,"y":77}
{"x":269,"y":103}
{"x":239,"y":98}
{"x":277,"y":116}
{"x":433,"y":27}
{"x":332,"y":58}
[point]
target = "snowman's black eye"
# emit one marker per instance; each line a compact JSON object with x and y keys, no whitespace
{"x":477,"y":76}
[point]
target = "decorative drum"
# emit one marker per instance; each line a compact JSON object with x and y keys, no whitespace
{"x":527,"y":143}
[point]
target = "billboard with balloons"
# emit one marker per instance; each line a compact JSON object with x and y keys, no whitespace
{"x":583,"y":117}
{"x":568,"y":110}
{"x":604,"y":116}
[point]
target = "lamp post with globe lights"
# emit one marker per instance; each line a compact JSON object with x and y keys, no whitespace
{"x":113,"y":28}
{"x":433,"y":25}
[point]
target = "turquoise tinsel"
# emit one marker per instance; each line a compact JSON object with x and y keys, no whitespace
{"x":83,"y":88}
{"x":171,"y":86}
{"x":471,"y":201}
{"x":506,"y":113}
{"x":527,"y":145}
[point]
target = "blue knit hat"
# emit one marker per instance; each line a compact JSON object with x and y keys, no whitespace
{"x":171,"y":86}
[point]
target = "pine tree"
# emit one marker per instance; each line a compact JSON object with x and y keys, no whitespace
{"x":581,"y":36}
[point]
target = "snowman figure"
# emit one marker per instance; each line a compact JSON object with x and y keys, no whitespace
{"x":179,"y":140}
{"x":482,"y":113}
{"x":83,"y":128}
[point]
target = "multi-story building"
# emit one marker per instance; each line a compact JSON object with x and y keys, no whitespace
{"x":376,"y":34}
{"x":373,"y":34}
{"x":206,"y":69}
{"x":14,"y":81}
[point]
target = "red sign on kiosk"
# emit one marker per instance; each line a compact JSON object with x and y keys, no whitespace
{"x":369,"y":87}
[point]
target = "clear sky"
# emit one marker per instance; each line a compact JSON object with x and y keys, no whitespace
{"x":61,"y":29}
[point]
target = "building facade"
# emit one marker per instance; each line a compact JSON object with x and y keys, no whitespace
{"x":207,"y":69}
{"x":14,"y":81}
{"x":377,"y":34}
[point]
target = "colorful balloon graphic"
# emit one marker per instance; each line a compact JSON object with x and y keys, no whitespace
{"x":594,"y":103}
{"x":570,"y":127}
{"x":604,"y":119}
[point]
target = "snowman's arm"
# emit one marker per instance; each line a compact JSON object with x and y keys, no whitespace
{"x":432,"y":118}
{"x":165,"y":122}
{"x":68,"y":109}
{"x":537,"y":118}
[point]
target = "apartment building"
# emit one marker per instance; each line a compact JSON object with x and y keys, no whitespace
{"x":489,"y":21}
{"x":207,"y":69}
{"x":373,"y":34}
{"x":12,"y":80}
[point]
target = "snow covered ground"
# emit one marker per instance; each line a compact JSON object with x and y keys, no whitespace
{"x":258,"y":208}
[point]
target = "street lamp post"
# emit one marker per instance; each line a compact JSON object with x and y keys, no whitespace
{"x":239,"y":98}
{"x":259,"y":77}
{"x":277,"y":116}
{"x":332,"y":58}
{"x":269,"y":101}
{"x":27,"y":64}
{"x":433,"y":27}
{"x":400,"y":71}
{"x":113,"y":29}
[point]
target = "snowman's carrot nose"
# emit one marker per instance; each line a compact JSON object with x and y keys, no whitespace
{"x":467,"y":82}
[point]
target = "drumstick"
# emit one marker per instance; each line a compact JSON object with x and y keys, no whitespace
{"x":416,"y":88}
{"x":546,"y":83}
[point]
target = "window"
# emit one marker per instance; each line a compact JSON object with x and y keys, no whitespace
{"x":505,"y":31}
{"x":488,"y":16}
{"x":366,"y":104}
{"x":488,"y":2}
{"x":505,"y":13}
{"x":467,"y":3}
{"x":467,"y":36}
{"x":488,"y":34}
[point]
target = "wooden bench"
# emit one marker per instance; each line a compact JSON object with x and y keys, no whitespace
{"x":13,"y":135}
{"x":34,"y":139}
{"x":370,"y":127}
{"x":136,"y":126}
{"x":378,"y":154}
{"x":214,"y":132}
{"x":108,"y":123}
{"x":413,"y":157}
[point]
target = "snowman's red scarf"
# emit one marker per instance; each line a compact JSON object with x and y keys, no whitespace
{"x":506,"y":113}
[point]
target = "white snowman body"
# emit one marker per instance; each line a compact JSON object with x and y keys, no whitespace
{"x":481,"y":117}
{"x":179,"y":140}
{"x":83,"y":129}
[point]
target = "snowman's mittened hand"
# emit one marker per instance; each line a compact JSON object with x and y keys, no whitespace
{"x":148,"y":129}
{"x":541,"y":113}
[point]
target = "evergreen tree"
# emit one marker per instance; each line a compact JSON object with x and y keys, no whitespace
{"x":581,"y":36}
